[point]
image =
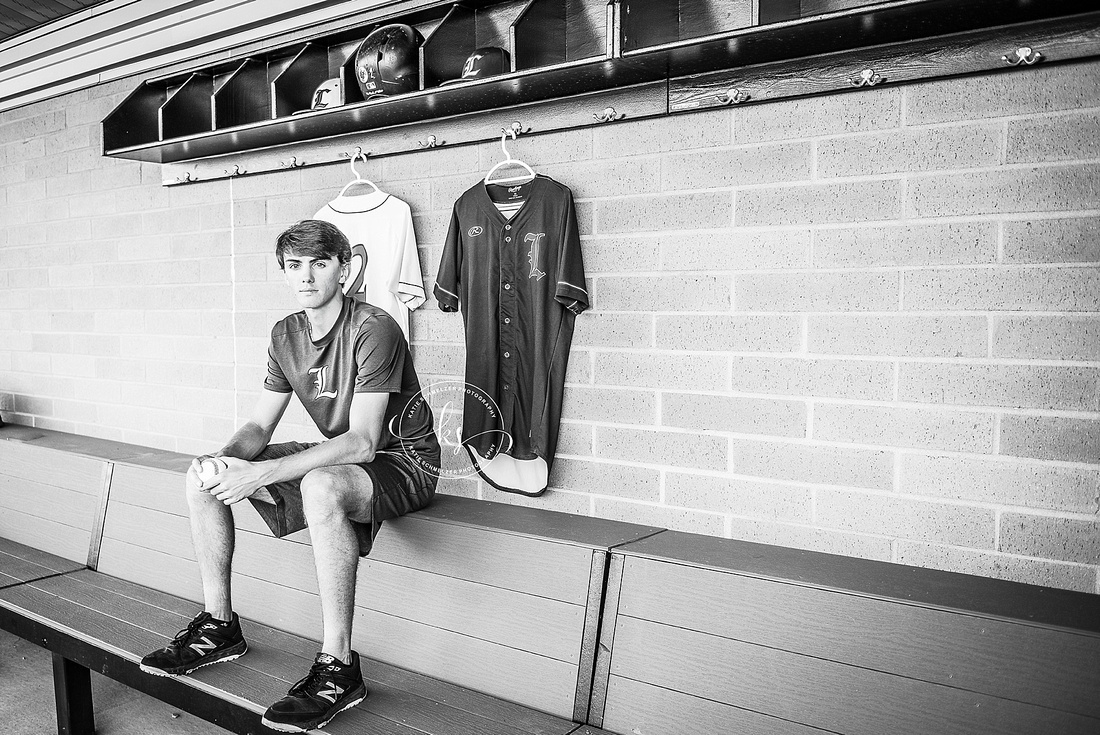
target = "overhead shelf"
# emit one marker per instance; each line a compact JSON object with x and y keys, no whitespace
{"x":556,"y":49}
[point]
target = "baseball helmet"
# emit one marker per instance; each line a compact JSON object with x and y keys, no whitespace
{"x":388,"y":61}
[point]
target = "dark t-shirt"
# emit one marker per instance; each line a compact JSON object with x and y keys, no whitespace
{"x":364,"y":352}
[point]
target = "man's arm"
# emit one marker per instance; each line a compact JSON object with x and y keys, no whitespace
{"x":357,"y":445}
{"x":254,"y":435}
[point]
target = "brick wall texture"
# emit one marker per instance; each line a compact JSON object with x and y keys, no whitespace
{"x":865,"y":323}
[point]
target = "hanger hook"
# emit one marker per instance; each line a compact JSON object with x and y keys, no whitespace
{"x":355,"y":156}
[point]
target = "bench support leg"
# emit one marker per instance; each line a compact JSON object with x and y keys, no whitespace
{"x":72,"y":687}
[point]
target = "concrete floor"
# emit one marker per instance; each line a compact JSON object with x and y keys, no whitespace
{"x":27,"y":706}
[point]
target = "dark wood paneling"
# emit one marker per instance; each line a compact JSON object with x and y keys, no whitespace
{"x":811,"y":691}
{"x":1043,"y":666}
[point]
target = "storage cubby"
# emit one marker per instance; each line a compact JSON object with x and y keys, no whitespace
{"x":550,"y":32}
{"x":188,"y":109}
{"x":462,"y":31}
{"x":557,"y":48}
{"x":136,"y":121}
{"x":650,"y":23}
{"x":292,"y":90}
{"x":242,"y":96}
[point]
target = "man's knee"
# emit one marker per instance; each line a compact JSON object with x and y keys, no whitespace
{"x":332,"y":491}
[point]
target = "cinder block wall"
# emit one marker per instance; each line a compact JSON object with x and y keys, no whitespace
{"x":865,"y":323}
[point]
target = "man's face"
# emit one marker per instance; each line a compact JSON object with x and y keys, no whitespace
{"x":315,"y":281}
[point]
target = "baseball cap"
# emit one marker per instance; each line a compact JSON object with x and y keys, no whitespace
{"x":329,"y":93}
{"x":486,"y":61}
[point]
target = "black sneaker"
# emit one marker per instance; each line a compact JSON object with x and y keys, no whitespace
{"x":329,"y":688}
{"x":204,"y":641}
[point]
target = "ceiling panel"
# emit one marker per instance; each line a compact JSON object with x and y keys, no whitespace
{"x":17,"y":16}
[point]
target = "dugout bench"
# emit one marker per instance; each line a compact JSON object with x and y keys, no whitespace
{"x":489,"y":618}
{"x":478,"y":617}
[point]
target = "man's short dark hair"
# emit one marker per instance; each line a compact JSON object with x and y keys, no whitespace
{"x":313,"y":238}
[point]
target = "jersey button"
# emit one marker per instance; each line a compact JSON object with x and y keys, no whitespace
{"x":507,"y":286}
{"x":507,"y":239}
{"x":507,"y":320}
{"x":507,"y":227}
{"x":507,"y":354}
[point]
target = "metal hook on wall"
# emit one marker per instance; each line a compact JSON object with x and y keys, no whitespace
{"x":1024,"y":55}
{"x":431,"y":142}
{"x":867,"y":78}
{"x":608,"y":115}
{"x":235,"y":171}
{"x":187,"y":178}
{"x":292,"y":163}
{"x":733,"y":96}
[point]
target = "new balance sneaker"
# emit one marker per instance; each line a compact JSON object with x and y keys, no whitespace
{"x":329,"y":688}
{"x":204,"y":641}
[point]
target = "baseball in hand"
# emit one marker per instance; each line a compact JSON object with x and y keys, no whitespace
{"x":209,"y":468}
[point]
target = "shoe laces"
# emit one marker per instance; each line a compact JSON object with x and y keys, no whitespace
{"x":188,"y":634}
{"x":320,"y":672}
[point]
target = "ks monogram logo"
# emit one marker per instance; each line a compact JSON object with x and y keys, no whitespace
{"x":320,"y":379}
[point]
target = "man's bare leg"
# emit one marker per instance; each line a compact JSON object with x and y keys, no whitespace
{"x":332,"y":498}
{"x":213,"y":534}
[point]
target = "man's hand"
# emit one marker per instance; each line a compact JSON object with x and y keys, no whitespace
{"x":239,"y":479}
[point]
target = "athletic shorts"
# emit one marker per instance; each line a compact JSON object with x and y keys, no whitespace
{"x":400,"y":487}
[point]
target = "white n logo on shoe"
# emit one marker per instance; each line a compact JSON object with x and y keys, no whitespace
{"x":204,"y":646}
{"x":331,"y":694}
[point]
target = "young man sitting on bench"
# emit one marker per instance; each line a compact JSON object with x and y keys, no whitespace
{"x":349,"y":364}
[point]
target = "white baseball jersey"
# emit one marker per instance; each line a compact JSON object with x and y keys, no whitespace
{"x":385,"y":267}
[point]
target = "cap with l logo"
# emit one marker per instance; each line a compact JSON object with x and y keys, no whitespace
{"x":486,"y":61}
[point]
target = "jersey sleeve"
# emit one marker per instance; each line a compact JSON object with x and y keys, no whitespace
{"x":571,"y":290}
{"x":410,"y":281}
{"x":446,"y":280}
{"x":276,"y":379}
{"x":379,"y":357}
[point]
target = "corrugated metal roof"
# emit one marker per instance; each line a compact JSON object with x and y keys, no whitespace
{"x":18,"y":16}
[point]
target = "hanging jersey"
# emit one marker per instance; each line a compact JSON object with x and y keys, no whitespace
{"x":385,"y":265}
{"x":519,"y":282}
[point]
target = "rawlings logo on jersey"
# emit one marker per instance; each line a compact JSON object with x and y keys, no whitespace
{"x":533,"y":254}
{"x":320,"y":381}
{"x":475,"y":231}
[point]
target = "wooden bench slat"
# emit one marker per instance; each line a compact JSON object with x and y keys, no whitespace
{"x":52,"y":537}
{"x":279,"y":667}
{"x":634,"y":706}
{"x":932,"y":587}
{"x":51,"y":563}
{"x":985,"y":655}
{"x":59,"y":504}
{"x":45,"y":466}
{"x":846,"y":699}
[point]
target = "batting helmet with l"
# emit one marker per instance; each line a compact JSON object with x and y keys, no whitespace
{"x":388,"y":61}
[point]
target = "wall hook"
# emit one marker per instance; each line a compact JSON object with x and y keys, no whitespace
{"x":733,"y":96}
{"x":867,"y":78}
{"x":608,"y":114}
{"x":235,"y":171}
{"x":356,"y":154}
{"x":186,"y":178}
{"x":515,"y":129}
{"x":292,"y":163}
{"x":1024,"y":55}
{"x":431,"y":142}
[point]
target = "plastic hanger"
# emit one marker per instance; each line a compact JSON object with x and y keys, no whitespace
{"x":358,"y":179}
{"x":508,"y":160}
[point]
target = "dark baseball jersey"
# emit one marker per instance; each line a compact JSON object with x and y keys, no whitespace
{"x":519,"y":282}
